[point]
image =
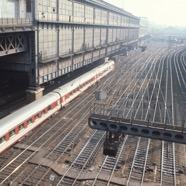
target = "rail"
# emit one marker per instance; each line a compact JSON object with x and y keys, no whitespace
{"x":145,"y":101}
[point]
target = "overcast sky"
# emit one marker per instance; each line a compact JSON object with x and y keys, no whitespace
{"x":167,"y":12}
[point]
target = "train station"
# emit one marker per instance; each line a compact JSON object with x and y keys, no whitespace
{"x":90,"y":94}
{"x":44,"y":40}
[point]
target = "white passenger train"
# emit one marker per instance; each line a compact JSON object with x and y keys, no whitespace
{"x":16,"y":125}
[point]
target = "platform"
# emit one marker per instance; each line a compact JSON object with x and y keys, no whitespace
{"x":141,"y":128}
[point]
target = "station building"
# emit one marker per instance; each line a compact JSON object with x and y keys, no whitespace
{"x":46,"y":39}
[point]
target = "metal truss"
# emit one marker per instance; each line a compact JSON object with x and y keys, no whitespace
{"x":140,"y":128}
{"x":12,"y":43}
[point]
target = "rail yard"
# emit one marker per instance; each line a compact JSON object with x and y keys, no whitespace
{"x":64,"y":150}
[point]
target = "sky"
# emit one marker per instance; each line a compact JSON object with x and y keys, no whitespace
{"x":163,"y":12}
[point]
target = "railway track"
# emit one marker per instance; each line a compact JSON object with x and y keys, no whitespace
{"x":110,"y":165}
{"x":138,"y":167}
{"x":167,"y":113}
{"x":138,"y":89}
{"x":43,"y":141}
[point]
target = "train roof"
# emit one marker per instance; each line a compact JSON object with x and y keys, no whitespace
{"x":81,"y":79}
{"x":12,"y":120}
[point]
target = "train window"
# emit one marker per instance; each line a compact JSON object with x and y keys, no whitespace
{"x":49,"y":107}
{"x":71,"y":93}
{"x":21,"y":127}
{"x":2,"y":139}
{"x":29,"y":121}
{"x":11,"y":133}
{"x":53,"y":105}
{"x":43,"y":112}
{"x":36,"y":116}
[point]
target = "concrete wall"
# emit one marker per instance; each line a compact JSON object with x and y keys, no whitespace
{"x":14,"y":9}
{"x":47,"y":44}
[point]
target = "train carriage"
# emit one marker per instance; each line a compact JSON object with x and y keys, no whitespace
{"x":16,"y":125}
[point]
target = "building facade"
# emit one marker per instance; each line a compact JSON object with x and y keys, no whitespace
{"x":49,"y":38}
